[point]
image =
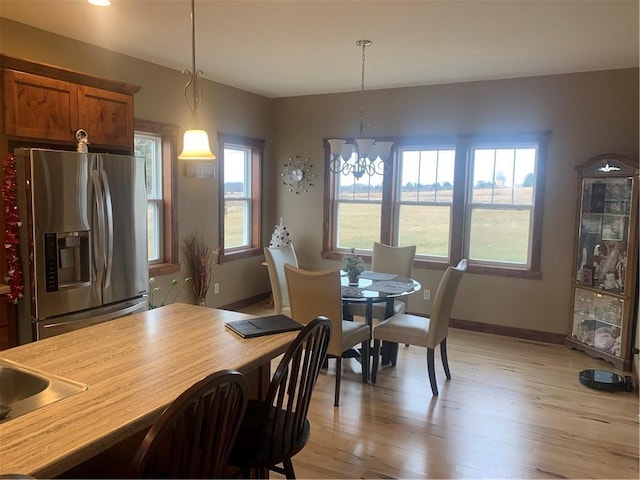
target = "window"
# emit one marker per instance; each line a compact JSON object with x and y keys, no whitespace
{"x":359,"y":202}
{"x":425,"y":200}
{"x":500,"y":210}
{"x":156,"y":142}
{"x":478,"y":198}
{"x":240,"y":202}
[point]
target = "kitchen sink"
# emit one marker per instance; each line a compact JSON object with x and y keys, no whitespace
{"x":24,"y":389}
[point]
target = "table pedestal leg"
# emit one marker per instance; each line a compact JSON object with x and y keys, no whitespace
{"x":389,"y":349}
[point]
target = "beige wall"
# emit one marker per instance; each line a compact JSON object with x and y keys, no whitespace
{"x":588,"y":114}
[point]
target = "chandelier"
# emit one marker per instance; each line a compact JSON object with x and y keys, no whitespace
{"x":362,"y":155}
{"x":195,"y":145}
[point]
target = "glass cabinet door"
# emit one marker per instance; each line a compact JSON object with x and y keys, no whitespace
{"x":604,"y":232}
{"x":597,"y":320}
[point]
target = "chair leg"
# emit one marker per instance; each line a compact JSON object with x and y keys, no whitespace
{"x":445,"y":362}
{"x":336,"y":401}
{"x":365,"y":358}
{"x":288,"y":469}
{"x":432,"y":372}
{"x":346,"y":312}
{"x":376,"y":360}
{"x":393,"y":353}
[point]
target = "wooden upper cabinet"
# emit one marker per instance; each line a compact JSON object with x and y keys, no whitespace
{"x":49,"y":104}
{"x":39,"y":107}
{"x":106,"y":116}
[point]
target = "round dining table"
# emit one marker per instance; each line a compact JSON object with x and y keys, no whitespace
{"x":376,"y":287}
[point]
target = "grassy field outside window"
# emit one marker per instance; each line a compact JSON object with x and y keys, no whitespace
{"x":477,"y":198}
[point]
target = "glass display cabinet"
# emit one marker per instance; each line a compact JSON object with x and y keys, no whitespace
{"x":606,"y":258}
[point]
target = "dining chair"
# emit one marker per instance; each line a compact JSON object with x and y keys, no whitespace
{"x":192,"y":438}
{"x":277,"y":428}
{"x":312,"y":294}
{"x":388,"y":259}
{"x":424,"y":331}
{"x":276,"y":257}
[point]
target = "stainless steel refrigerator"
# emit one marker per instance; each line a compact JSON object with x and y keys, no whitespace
{"x":83,"y":239}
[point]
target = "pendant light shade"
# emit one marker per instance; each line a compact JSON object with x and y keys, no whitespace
{"x":195,"y":145}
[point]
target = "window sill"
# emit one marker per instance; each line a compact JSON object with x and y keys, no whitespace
{"x":240,"y":254}
{"x":158,"y":269}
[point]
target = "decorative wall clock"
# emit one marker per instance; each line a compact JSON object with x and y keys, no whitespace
{"x":297,"y":175}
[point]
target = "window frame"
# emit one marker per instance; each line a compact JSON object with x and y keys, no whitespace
{"x":463,"y":145}
{"x":256,"y":148}
{"x":169,"y":254}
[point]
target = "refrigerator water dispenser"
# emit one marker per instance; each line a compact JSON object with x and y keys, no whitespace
{"x":66,"y":257}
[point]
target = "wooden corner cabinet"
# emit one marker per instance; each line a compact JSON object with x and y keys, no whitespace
{"x":604,"y":291}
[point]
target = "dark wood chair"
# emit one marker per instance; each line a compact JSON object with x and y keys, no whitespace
{"x":193,"y":436}
{"x":277,"y":428}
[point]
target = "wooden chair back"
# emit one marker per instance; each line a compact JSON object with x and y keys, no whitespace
{"x":315,"y":294}
{"x":284,"y":423}
{"x":443,"y":304}
{"x":194,"y":435}
{"x":276,"y":258}
{"x":389,"y":259}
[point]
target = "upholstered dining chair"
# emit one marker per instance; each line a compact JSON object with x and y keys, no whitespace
{"x":277,"y":428}
{"x":276,"y":257}
{"x":192,"y":438}
{"x":388,"y":259}
{"x":319,"y":293}
{"x":424,"y":331}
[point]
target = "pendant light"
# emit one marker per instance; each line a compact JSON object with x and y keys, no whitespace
{"x":370,"y":155}
{"x":195,"y":145}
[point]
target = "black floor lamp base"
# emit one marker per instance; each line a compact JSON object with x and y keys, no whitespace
{"x":603,"y":380}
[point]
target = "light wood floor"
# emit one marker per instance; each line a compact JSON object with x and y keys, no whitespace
{"x":513,"y":409}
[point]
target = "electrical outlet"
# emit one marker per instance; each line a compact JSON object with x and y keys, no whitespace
{"x":427,"y":294}
{"x":216,"y":288}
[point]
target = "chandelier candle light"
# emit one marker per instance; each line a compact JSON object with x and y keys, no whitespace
{"x":195,"y":145}
{"x":363,"y":155}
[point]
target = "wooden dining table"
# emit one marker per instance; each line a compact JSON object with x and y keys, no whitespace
{"x":376,"y":287}
{"x":134,"y":367}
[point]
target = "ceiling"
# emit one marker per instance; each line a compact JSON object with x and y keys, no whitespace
{"x":281,"y":48}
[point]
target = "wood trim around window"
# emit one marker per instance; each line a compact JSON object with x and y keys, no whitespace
{"x":170,"y":261}
{"x":257,"y":158}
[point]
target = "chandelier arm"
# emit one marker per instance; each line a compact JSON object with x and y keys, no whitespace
{"x":377,"y":167}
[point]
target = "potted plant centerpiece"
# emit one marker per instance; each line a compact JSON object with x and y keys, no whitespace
{"x":354,"y":266}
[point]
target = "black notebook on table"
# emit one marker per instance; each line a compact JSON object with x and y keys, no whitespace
{"x":257,"y":327}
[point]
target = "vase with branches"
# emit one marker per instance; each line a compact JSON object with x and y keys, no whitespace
{"x":200,"y":258}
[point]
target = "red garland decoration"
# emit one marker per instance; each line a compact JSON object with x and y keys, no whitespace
{"x":12,"y":237}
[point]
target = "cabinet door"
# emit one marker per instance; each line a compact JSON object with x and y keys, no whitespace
{"x":106,"y":116}
{"x":39,"y":107}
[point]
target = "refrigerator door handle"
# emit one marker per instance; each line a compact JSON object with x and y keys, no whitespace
{"x":98,"y":253}
{"x":109,"y":221}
